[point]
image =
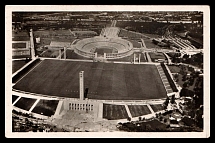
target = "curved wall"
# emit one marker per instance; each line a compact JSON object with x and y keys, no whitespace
{"x":84,"y":47}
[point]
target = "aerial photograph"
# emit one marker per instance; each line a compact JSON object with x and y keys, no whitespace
{"x":107,"y":71}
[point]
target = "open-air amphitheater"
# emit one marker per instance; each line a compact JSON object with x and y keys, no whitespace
{"x":88,"y":47}
{"x":116,"y":90}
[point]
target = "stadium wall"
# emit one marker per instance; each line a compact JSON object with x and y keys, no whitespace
{"x":78,"y":48}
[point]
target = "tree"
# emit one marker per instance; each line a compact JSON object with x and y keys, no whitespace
{"x":148,"y":127}
{"x":129,"y":118}
{"x":185,"y":85}
{"x":176,"y":75}
{"x":156,"y":115}
{"x":186,"y":56}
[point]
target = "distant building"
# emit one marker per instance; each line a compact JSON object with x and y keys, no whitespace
{"x":20,"y":45}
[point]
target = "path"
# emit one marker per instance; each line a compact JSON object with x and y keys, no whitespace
{"x":148,"y":57}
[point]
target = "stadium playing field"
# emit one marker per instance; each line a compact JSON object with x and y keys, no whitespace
{"x":104,"y":80}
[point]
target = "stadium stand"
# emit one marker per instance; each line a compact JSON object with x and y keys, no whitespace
{"x":114,"y":112}
{"x":25,"y":103}
{"x":110,"y":32}
{"x":157,"y":107}
{"x":14,"y":97}
{"x":171,"y":82}
{"x":46,"y":107}
{"x":139,"y":110}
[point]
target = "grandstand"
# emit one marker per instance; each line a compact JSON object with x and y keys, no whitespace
{"x":46,"y":107}
{"x":114,"y":112}
{"x":139,"y":110}
{"x":157,"y":107}
{"x":180,"y":43}
{"x":88,"y":46}
{"x":25,"y":103}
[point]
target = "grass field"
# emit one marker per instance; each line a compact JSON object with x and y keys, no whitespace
{"x":152,"y":35}
{"x":149,"y":44}
{"x":130,"y":34}
{"x":114,"y":112}
{"x":50,"y":53}
{"x":103,"y":50}
{"x":174,"y":69}
{"x":104,"y":80}
{"x":25,"y":103}
{"x":139,"y":110}
{"x":46,"y":107}
{"x":157,"y":107}
{"x":70,"y":54}
{"x":155,"y":56}
{"x":135,"y":43}
{"x":14,"y":97}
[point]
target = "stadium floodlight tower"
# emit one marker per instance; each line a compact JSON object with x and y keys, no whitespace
{"x":81,"y":85}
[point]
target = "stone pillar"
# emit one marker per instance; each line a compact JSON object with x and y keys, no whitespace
{"x":64,"y":53}
{"x":27,"y":45}
{"x":59,"y":54}
{"x":81,"y":85}
{"x":139,"y":58}
{"x":90,"y":107}
{"x":104,"y":55}
{"x":134,"y":57}
{"x":96,"y":55}
{"x":32,"y":44}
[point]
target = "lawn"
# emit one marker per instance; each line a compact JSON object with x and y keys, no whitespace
{"x":174,"y":69}
{"x":157,"y":107}
{"x":104,"y":80}
{"x":130,"y":34}
{"x":14,"y":97}
{"x":155,"y":56}
{"x":54,"y":35}
{"x":177,"y":69}
{"x":50,"y":53}
{"x":152,"y":35}
{"x":46,"y":107}
{"x":135,"y":43}
{"x":103,"y":50}
{"x":143,"y":58}
{"x":25,"y":103}
{"x":139,"y":110}
{"x":70,"y":54}
{"x":149,"y":44}
{"x":114,"y":112}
